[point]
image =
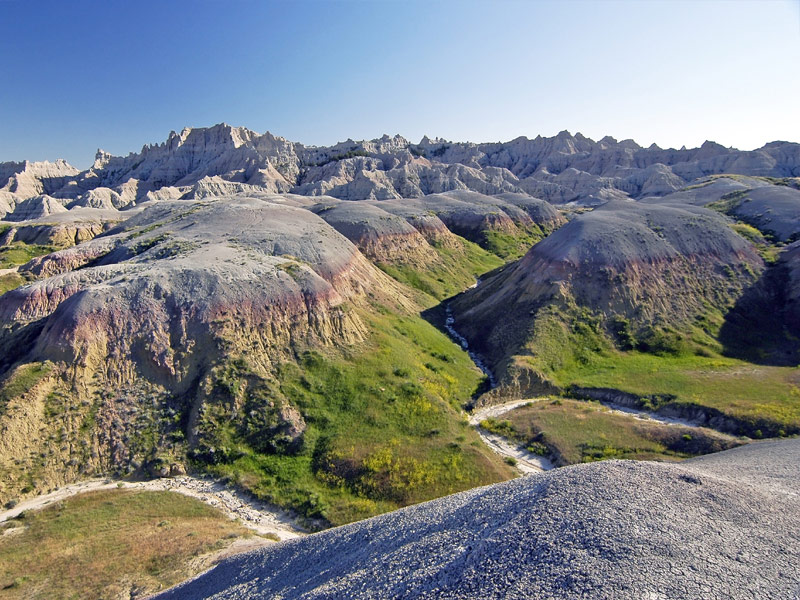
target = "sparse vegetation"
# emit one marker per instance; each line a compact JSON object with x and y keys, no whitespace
{"x":10,"y":281}
{"x":455,"y":271}
{"x":343,"y":156}
{"x":575,"y":431}
{"x":21,"y":380}
{"x":109,"y":544}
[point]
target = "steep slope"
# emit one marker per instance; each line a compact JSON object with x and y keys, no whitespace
{"x":504,"y":226}
{"x":560,"y":169}
{"x":19,"y":181}
{"x":774,"y":210}
{"x":425,"y":242}
{"x":61,"y":229}
{"x":724,"y":526}
{"x":764,"y":326}
{"x":178,"y":336}
{"x":629,"y":269}
{"x":381,"y":236}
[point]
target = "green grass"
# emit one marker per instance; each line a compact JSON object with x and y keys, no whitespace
{"x":453,"y":273}
{"x":105,"y":544}
{"x":10,"y":281}
{"x":564,"y":339}
{"x":384,"y":427}
{"x":19,"y":253}
{"x":22,"y":380}
{"x":578,"y":432}
{"x":734,"y":387}
{"x":510,"y":246}
{"x":768,"y":251}
{"x":569,"y":348}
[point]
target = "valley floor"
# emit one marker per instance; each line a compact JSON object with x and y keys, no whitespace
{"x":258,"y":516}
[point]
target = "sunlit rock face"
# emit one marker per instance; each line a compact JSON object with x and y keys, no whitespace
{"x":218,"y":160}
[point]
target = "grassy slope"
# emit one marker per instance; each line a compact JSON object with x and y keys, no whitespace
{"x":578,"y":432}
{"x":10,"y":281}
{"x":19,"y":253}
{"x":570,"y":347}
{"x":510,"y":247}
{"x":385,"y":428}
{"x":732,"y":386}
{"x":81,"y":546}
{"x":455,"y":272}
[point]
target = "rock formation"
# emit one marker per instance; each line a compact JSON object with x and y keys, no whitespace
{"x":224,"y":159}
{"x":149,"y":310}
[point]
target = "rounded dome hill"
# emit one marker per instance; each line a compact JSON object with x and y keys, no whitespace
{"x":725,"y":526}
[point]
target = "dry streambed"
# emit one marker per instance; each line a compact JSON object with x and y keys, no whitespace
{"x":526,"y":462}
{"x":264,"y":519}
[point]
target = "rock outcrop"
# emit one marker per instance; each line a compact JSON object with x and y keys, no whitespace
{"x":62,"y":229}
{"x":232,"y":270}
{"x":222,"y":159}
{"x":136,"y":326}
{"x":381,"y":236}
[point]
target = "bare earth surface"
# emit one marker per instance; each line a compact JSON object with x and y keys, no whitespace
{"x":527,"y":462}
{"x":722,"y":526}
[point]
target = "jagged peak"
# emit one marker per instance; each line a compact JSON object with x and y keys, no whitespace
{"x":521,"y":139}
{"x":102,"y":158}
{"x":630,"y":143}
{"x":708,"y":144}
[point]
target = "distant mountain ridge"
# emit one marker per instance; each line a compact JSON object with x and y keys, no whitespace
{"x":198,"y":162}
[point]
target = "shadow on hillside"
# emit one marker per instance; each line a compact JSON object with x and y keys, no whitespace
{"x":758,"y":328}
{"x":16,"y":343}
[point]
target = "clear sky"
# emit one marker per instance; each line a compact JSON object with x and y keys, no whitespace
{"x":117,"y":74}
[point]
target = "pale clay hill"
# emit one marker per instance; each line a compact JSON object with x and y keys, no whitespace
{"x":222,"y":243}
{"x":725,"y":526}
{"x":150,"y":309}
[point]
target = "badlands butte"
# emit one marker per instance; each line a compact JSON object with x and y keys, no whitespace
{"x":295,"y":321}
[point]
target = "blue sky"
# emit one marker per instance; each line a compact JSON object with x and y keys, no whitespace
{"x":118,"y":74}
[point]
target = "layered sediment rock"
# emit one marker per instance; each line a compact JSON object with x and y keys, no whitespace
{"x":134,"y":325}
{"x":223,"y":160}
{"x":649,"y":264}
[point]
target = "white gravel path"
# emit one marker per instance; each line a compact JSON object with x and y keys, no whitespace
{"x":262,"y":518}
{"x":526,"y":462}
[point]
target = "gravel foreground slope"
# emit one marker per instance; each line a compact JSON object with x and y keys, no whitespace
{"x":722,"y":526}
